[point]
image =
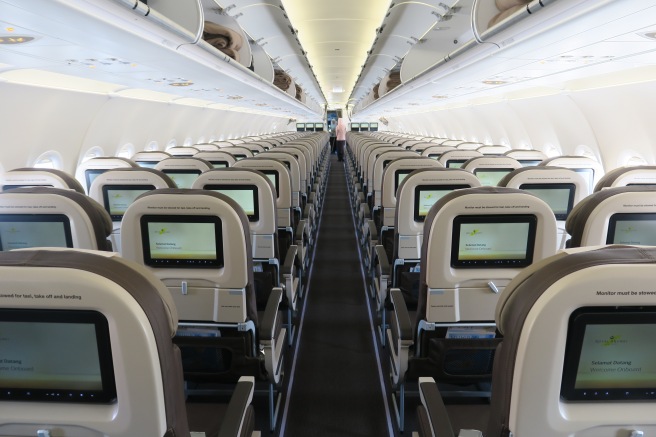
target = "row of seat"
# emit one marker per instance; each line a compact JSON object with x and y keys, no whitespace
{"x":224,"y":256}
{"x":442,"y":250}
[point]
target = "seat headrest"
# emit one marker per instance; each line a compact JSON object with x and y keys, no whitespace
{"x":99,"y":218}
{"x":579,"y":217}
{"x":42,"y":176}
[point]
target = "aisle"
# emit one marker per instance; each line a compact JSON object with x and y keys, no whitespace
{"x":336,"y":389}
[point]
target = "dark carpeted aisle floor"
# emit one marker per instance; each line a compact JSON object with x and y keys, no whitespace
{"x":336,"y":389}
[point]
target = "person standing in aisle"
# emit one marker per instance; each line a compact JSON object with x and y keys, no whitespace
{"x":333,"y":147}
{"x":340,"y":138}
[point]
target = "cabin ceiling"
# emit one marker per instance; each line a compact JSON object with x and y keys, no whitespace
{"x":337,"y":35}
{"x":336,"y":52}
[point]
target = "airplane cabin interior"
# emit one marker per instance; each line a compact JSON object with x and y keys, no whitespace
{"x":290,"y":218}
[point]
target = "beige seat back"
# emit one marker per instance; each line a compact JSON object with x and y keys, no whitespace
{"x":577,"y":351}
{"x":39,"y":177}
{"x":52,"y":217}
{"x":183,"y":170}
{"x":88,"y":170}
{"x":475,"y":241}
{"x":621,"y":215}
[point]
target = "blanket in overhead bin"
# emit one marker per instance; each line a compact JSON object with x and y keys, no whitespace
{"x":223,"y":38}
{"x":282,"y":80}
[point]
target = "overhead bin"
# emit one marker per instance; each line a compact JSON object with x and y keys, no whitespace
{"x":132,"y":46}
{"x":187,"y":14}
{"x":389,"y":82}
{"x":262,"y":65}
{"x":559,"y":41}
{"x":406,"y":23}
{"x":451,"y":32}
{"x":268,"y":25}
{"x":226,"y":33}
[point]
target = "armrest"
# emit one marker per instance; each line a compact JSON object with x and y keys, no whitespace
{"x":300,"y":230}
{"x":402,"y":315}
{"x":268,"y":322}
{"x":436,"y":411}
{"x":239,"y":402}
{"x":290,"y":259}
{"x":383,"y":262}
{"x":307,"y":210}
{"x":364,"y":209}
{"x":373,"y":232}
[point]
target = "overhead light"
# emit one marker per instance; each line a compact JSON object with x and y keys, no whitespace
{"x":649,"y":35}
{"x":494,"y":82}
{"x":181,"y":83}
{"x":15,"y":39}
{"x":338,"y":89}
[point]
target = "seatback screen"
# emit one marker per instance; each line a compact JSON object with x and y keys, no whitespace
{"x":147,"y":164}
{"x":610,"y":355}
{"x":22,"y":231}
{"x":219,"y":164}
{"x":588,"y":175}
{"x":183,"y":178}
{"x":245,"y":195}
{"x":559,"y":197}
{"x":11,"y":187}
{"x":529,"y":162}
{"x":455,"y":163}
{"x":427,"y":195}
{"x":117,"y":198}
{"x":182,"y":241}
{"x":274,"y":178}
{"x":399,"y":175}
{"x":493,"y":240}
{"x":632,"y":228}
{"x":55,"y":356}
{"x":91,"y":174}
{"x":491,"y":176}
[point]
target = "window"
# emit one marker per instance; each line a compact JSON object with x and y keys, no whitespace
{"x":152,"y":146}
{"x":634,"y":161}
{"x":587,"y":152}
{"x":126,"y":151}
{"x":552,"y":151}
{"x":50,"y":159}
{"x":93,"y":152}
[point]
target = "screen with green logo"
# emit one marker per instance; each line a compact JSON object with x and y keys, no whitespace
{"x":427,"y":195}
{"x":182,"y":241}
{"x":610,"y":355}
{"x":56,"y":356}
{"x":495,"y":241}
{"x":117,"y":198}
{"x":23,"y":231}
{"x":559,"y":197}
{"x":244,"y":195}
{"x":632,"y":228}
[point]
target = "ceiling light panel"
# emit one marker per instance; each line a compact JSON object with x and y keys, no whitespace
{"x":337,"y":36}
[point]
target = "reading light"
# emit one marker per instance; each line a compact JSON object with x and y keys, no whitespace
{"x":494,"y":82}
{"x":181,"y":83}
{"x":15,"y":39}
